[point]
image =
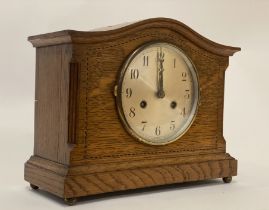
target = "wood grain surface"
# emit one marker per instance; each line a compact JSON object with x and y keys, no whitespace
{"x":82,"y":181}
{"x":78,"y":132}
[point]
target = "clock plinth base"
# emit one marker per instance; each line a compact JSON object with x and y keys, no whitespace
{"x":72,"y":182}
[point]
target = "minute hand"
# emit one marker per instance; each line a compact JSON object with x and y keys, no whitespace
{"x":160,"y":93}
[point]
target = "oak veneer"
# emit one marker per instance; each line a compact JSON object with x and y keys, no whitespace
{"x":80,"y":145}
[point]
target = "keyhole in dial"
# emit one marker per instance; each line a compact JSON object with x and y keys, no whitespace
{"x":143,"y":104}
{"x":173,"y":104}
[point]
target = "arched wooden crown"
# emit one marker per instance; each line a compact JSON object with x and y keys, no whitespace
{"x":116,"y":32}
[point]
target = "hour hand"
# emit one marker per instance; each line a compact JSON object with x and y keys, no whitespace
{"x":160,"y":70}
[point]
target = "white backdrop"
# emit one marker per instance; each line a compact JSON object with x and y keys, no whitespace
{"x":242,"y":23}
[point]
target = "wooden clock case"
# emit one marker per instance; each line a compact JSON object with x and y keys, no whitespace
{"x":80,"y":145}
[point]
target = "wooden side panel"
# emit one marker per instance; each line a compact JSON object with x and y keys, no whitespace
{"x":51,"y":103}
{"x":223,"y":66}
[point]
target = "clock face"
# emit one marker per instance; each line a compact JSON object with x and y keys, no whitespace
{"x":158,"y":93}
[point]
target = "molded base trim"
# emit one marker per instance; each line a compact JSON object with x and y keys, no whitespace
{"x":54,"y":178}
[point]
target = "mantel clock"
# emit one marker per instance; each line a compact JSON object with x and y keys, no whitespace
{"x":129,"y":107}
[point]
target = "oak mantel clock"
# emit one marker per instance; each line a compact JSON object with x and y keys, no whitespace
{"x":130,"y":107}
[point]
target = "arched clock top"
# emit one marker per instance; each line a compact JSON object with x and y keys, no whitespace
{"x":116,"y":32}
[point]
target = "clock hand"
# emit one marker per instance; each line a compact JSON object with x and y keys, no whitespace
{"x":160,"y":69}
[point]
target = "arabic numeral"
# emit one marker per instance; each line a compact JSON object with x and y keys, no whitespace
{"x":183,"y":112}
{"x":145,"y":60}
{"x":184,"y":76}
{"x":158,"y":130}
{"x":144,"y":125}
{"x":128,"y":92}
{"x":187,"y":94}
{"x":172,"y":125}
{"x":134,"y":73}
{"x":132,"y":112}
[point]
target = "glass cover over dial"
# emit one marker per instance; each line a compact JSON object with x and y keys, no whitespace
{"x":158,"y":93}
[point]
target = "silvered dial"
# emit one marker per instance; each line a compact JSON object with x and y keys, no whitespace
{"x":158,"y":93}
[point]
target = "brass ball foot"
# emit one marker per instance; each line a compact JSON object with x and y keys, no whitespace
{"x":227,"y":179}
{"x":70,"y":201}
{"x":34,"y":187}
